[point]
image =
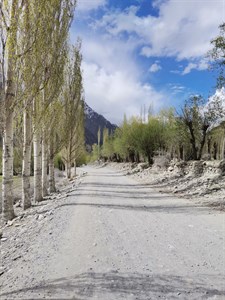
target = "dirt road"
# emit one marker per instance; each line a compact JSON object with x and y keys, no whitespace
{"x":114,"y":238}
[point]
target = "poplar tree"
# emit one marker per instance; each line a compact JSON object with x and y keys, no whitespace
{"x":10,"y":12}
{"x":49,"y":23}
{"x":32,"y":45}
{"x":73,"y":108}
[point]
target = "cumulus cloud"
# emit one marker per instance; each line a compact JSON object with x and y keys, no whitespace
{"x":107,"y":53}
{"x":182,"y":29}
{"x":113,"y":81}
{"x":112,"y":78}
{"x":115,"y":93}
{"x":155,"y":68}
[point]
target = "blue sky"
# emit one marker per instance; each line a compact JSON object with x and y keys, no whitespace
{"x":143,"y":52}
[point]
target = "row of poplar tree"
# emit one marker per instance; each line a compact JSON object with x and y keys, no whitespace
{"x":41,"y":94}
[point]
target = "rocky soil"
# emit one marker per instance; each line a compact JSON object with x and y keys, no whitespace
{"x":17,"y":236}
{"x":201,"y":181}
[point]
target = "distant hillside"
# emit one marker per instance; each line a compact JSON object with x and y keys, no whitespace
{"x":94,"y":121}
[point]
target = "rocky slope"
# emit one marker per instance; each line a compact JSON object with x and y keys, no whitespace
{"x":202,"y":181}
{"x":94,"y":121}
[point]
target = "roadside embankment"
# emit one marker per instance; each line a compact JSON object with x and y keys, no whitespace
{"x":201,"y":181}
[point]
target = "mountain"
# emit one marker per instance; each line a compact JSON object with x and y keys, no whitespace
{"x":94,"y":121}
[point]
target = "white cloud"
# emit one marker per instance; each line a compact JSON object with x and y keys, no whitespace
{"x":189,"y":67}
{"x":155,"y":68}
{"x":112,"y":78}
{"x":115,"y":93}
{"x":200,"y":66}
{"x":107,"y":53}
{"x":177,"y":89}
{"x":183,"y":29}
{"x":88,"y":5}
{"x":175,"y":71}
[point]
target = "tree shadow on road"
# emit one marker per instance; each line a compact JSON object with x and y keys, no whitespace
{"x":114,"y":285}
{"x":172,"y":209}
{"x":121,"y":193}
{"x":115,"y":185}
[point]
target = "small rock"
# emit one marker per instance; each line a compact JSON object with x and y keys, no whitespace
{"x":3,"y":239}
{"x":40,"y":217}
{"x":9,"y":223}
{"x":1,"y":233}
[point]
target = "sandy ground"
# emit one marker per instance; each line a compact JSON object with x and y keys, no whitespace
{"x":108,"y":236}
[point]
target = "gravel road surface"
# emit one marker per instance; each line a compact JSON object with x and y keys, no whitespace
{"x":115,"y":238}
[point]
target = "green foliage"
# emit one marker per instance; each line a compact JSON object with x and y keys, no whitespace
{"x":83,"y":159}
{"x":73,"y":109}
{"x":183,"y":136}
{"x":195,"y":121}
{"x":134,"y":139}
{"x":120,"y":140}
{"x":107,"y":147}
{"x":58,"y":162}
{"x":218,"y":56}
{"x":95,"y":152}
{"x":150,"y":138}
{"x":17,"y":165}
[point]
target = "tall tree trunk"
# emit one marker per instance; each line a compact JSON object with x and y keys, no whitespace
{"x":44,"y":166}
{"x":223,"y":145}
{"x":181,"y":152}
{"x":209,"y":146}
{"x":7,"y":165}
{"x":215,"y":150}
{"x":68,"y":170}
{"x":150,"y":159}
{"x":37,"y":167}
{"x":52,"y":188}
{"x":27,"y":129}
{"x":202,"y":144}
{"x":192,"y":140}
{"x":75,"y":168}
{"x":26,"y":193}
